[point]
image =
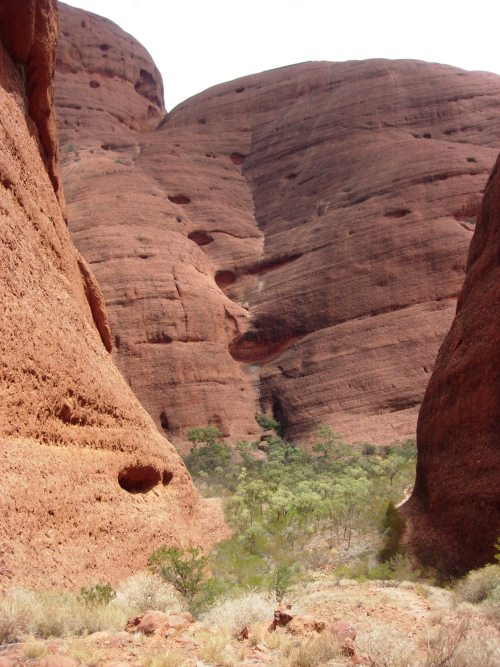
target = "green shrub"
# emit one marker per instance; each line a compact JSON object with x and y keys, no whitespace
{"x":184,"y":569}
{"x":479,"y":584}
{"x":281,"y":581}
{"x":213,"y":455}
{"x":268,"y":423}
{"x":393,"y":526}
{"x":97,"y":595}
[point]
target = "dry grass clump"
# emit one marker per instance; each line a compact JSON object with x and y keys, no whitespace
{"x":85,"y":652}
{"x":463,"y":640}
{"x":215,"y":649}
{"x":35,"y":650}
{"x":233,"y":613}
{"x":49,"y":614}
{"x":144,"y":591}
{"x":386,"y":648}
{"x":308,"y":651}
{"x":167,"y":658}
{"x":14,"y":617}
{"x":478,"y":585}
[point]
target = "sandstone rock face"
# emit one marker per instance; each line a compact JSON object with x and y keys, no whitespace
{"x":454,"y":511}
{"x":292,"y":242}
{"x":89,"y":487}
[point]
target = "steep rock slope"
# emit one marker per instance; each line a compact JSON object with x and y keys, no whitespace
{"x":293,"y":241}
{"x":455,"y":510}
{"x":89,"y":487}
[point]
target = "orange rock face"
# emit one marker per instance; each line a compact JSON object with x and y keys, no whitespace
{"x":89,"y":487}
{"x":292,"y":242}
{"x":454,"y":510}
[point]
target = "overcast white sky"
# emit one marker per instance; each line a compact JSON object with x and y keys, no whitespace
{"x":199,"y":43}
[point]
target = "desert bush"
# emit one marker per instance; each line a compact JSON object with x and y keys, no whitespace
{"x":97,"y":595}
{"x":234,"y":613}
{"x":393,"y":526}
{"x":462,"y":640}
{"x":479,"y":584}
{"x":144,"y":591}
{"x":184,"y":569}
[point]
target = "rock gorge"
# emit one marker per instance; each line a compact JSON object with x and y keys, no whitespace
{"x":293,"y":241}
{"x":89,"y":486}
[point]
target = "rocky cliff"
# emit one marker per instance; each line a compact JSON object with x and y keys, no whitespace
{"x":293,"y":241}
{"x":454,"y":510}
{"x":89,"y":486}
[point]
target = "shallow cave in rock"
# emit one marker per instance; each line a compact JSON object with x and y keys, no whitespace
{"x":139,"y":478}
{"x":200,"y":237}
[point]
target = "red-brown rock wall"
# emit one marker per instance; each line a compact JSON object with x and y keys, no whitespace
{"x":454,"y":511}
{"x":89,"y":487}
{"x":292,"y":241}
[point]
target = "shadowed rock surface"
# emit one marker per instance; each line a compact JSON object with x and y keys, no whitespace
{"x":455,"y":510}
{"x":293,"y":241}
{"x":89,"y":487}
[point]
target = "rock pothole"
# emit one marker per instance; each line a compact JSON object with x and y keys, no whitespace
{"x":200,"y":237}
{"x":237,"y":158}
{"x":179,"y":199}
{"x":224,"y":279}
{"x":139,"y":478}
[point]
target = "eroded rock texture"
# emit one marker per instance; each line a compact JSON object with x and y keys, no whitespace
{"x":293,"y":241}
{"x":89,"y":486}
{"x":455,"y":510}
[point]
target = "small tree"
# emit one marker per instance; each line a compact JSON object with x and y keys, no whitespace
{"x":212,"y":454}
{"x":184,"y":569}
{"x":327,"y":441}
{"x":281,"y":581}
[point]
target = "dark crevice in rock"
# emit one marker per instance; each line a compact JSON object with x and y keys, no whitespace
{"x":164,"y":423}
{"x":224,"y":279}
{"x":159,"y":338}
{"x":200,"y":238}
{"x":399,"y":404}
{"x":139,"y":478}
{"x":237,"y":158}
{"x":255,"y":348}
{"x":179,"y":199}
{"x":397,"y":213}
{"x":273,"y":264}
{"x":147,"y":86}
{"x":95,"y":300}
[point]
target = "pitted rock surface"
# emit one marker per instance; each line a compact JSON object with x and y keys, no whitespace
{"x":89,"y":487}
{"x":293,"y":241}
